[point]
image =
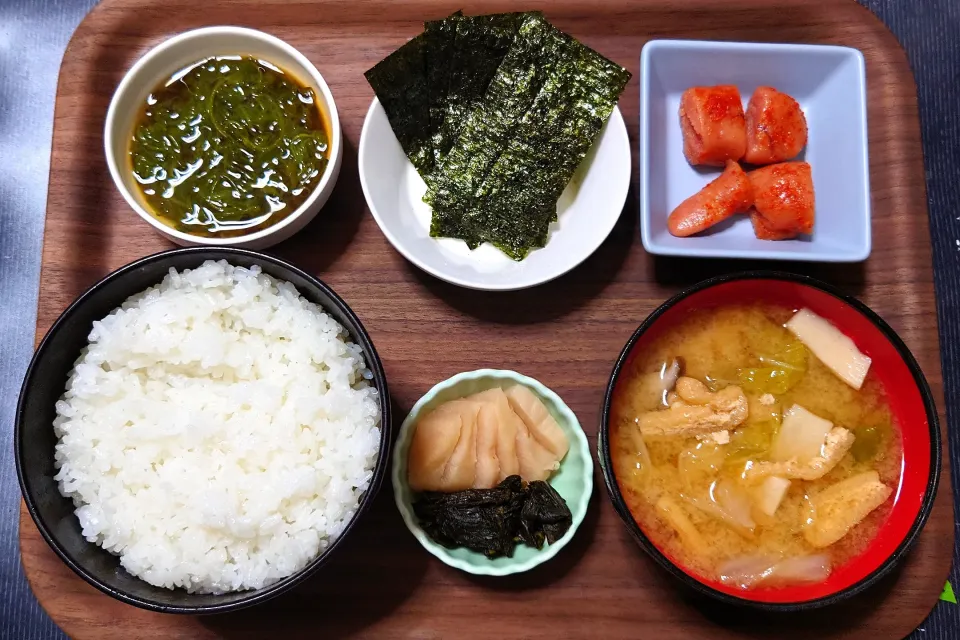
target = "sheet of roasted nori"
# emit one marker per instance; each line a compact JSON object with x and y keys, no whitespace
{"x":480,"y":44}
{"x":496,"y":123}
{"x":400,"y":82}
{"x":517,"y":201}
{"x":493,"y":521}
{"x":438,"y":55}
{"x":488,"y":127}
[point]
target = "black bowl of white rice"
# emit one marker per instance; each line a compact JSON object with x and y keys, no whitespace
{"x":201,"y":429}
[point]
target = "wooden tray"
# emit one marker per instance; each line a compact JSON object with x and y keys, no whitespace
{"x":566,"y":333}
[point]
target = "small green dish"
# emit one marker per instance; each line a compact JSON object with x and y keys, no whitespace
{"x":573,"y":481}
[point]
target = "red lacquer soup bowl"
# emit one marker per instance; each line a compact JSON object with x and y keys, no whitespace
{"x":910,"y":401}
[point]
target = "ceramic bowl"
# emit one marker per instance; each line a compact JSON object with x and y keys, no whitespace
{"x":911,"y":403}
{"x":159,"y":64}
{"x":830,"y":84}
{"x":34,"y":439}
{"x":573,"y":481}
{"x":587,"y":211}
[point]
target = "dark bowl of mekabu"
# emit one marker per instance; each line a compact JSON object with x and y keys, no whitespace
{"x":770,"y":441}
{"x":224,"y":136}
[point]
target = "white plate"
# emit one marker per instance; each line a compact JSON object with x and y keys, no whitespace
{"x":829,"y":82}
{"x":185,"y":49}
{"x":587,"y":211}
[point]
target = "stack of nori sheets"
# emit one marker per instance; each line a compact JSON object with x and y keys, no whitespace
{"x":496,"y":113}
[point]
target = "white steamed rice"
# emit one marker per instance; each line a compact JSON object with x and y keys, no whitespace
{"x":217,"y":432}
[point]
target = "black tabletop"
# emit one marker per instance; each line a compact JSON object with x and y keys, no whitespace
{"x":33,"y":35}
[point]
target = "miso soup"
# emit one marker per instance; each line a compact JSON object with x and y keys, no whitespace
{"x":747,"y":459}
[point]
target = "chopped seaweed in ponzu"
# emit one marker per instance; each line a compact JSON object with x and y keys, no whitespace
{"x":494,"y":521}
{"x":228,"y":146}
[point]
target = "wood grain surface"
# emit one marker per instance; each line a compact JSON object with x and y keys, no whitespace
{"x":566,"y":333}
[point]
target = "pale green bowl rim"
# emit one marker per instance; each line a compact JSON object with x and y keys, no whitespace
{"x":398,"y":474}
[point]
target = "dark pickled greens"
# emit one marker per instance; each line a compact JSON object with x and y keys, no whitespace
{"x":494,"y":521}
{"x":514,"y":106}
{"x":545,"y":516}
{"x":228,"y":146}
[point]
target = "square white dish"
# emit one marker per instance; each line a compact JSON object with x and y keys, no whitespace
{"x":829,"y":82}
